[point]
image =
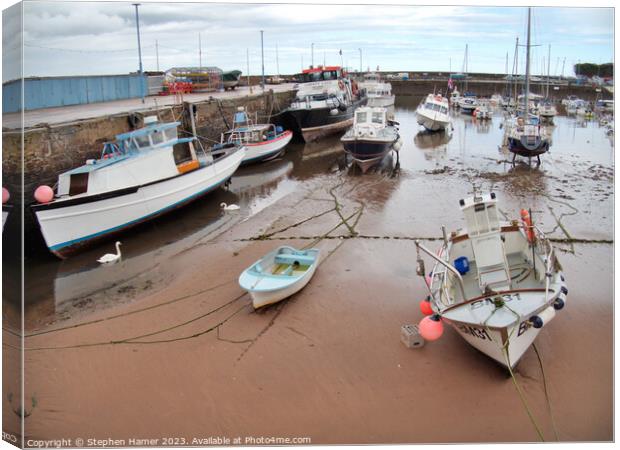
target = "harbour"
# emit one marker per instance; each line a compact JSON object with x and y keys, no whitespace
{"x":279,"y":203}
{"x":340,"y":257}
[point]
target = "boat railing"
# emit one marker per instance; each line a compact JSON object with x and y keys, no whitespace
{"x":541,"y":240}
{"x":111,"y":150}
{"x":447,"y":266}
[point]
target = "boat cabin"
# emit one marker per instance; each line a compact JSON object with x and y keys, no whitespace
{"x":370,"y":117}
{"x":246,"y":131}
{"x":436,"y":103}
{"x":487,"y":246}
{"x":148,"y":154}
{"x":320,"y":73}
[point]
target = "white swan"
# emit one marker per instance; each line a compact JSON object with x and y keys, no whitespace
{"x":229,"y":207}
{"x":110,"y":258}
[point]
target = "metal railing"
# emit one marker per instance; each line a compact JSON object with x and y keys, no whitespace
{"x":446,"y":265}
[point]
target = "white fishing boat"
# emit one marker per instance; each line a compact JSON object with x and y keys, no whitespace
{"x":379,"y":93}
{"x":143,"y":174}
{"x":497,"y":284}
{"x":371,"y":137}
{"x":468,"y":103}
{"x":279,"y":274}
{"x":324,"y":103}
{"x":263,"y":142}
{"x":433,"y":113}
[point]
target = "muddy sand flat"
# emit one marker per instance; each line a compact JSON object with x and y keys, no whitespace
{"x":178,"y":351}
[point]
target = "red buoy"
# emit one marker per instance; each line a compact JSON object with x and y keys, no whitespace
{"x":431,"y":327}
{"x":425,"y":306}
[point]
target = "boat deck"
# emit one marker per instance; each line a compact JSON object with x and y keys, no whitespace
{"x":520,"y":304}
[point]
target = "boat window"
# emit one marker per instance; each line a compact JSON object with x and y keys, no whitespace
{"x":377,"y":117}
{"x":142,"y":141}
{"x":360,"y":117}
{"x":319,"y":97}
{"x":157,"y":137}
{"x":444,"y":110}
{"x":171,"y":134}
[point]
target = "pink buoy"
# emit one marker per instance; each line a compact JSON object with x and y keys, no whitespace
{"x":431,"y":328}
{"x":425,"y":306}
{"x":44,"y":194}
{"x":5,"y":195}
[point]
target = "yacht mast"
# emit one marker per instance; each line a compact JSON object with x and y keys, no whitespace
{"x":516,"y":73}
{"x":465,"y":67}
{"x":548,"y":70}
{"x":527,"y":65}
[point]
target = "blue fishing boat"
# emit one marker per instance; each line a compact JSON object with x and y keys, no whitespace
{"x":279,"y":274}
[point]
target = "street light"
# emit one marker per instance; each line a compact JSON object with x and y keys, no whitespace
{"x":262,"y":56}
{"x":360,"y":59}
{"x":139,"y":48}
{"x":312,"y":54}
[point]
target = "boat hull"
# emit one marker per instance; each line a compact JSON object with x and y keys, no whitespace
{"x":315,"y":123}
{"x":432,"y":123}
{"x":367,"y":153}
{"x":264,"y":298}
{"x":69,"y":225}
{"x":517,"y":147}
{"x":492,"y":342}
{"x":267,"y":150}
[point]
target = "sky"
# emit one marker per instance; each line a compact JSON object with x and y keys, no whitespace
{"x":90,"y":38}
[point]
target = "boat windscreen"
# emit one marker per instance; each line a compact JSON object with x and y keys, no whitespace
{"x":377,"y":117}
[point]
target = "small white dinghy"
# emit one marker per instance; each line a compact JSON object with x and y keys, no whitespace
{"x":279,"y":274}
{"x":496,"y":283}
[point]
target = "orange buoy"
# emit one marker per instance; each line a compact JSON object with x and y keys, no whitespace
{"x":527,"y":221}
{"x":425,"y":306}
{"x":431,"y":327}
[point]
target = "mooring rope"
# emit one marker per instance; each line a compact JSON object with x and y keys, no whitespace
{"x":504,"y":349}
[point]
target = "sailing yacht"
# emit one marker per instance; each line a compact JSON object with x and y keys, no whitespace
{"x":525,"y":135}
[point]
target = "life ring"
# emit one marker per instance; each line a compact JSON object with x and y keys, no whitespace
{"x":529,"y":229}
{"x":341,"y":85}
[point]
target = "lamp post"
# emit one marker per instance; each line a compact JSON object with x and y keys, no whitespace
{"x":312,"y":54}
{"x":262,"y":56}
{"x":360,"y":60}
{"x":139,"y":48}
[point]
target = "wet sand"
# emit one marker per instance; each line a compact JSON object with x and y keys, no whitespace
{"x":171,"y":347}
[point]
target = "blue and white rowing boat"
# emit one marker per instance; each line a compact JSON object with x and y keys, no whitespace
{"x":279,"y":274}
{"x":143,"y":174}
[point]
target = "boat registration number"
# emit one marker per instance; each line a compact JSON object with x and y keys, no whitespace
{"x":489,"y":301}
{"x":480,"y":333}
